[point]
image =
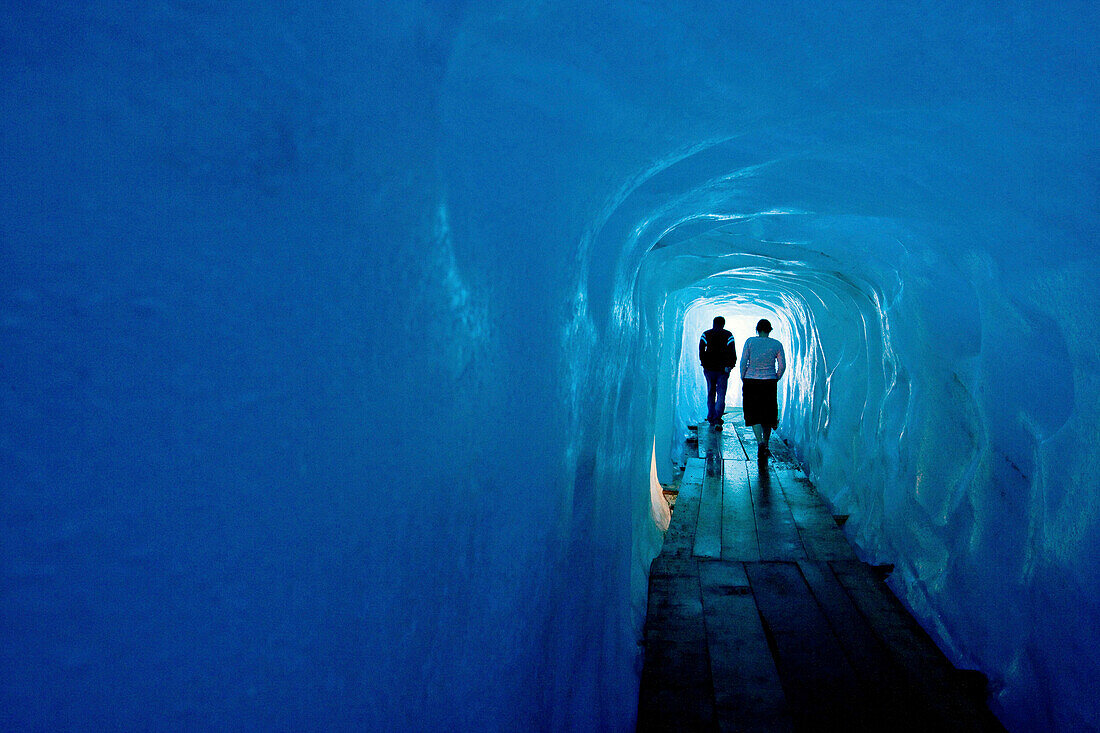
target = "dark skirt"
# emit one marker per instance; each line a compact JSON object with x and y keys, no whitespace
{"x":760,"y":402}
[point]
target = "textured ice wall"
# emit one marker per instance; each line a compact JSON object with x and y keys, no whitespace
{"x":286,"y":420}
{"x":332,"y":360}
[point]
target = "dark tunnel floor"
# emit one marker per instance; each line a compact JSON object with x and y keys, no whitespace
{"x":761,"y":617}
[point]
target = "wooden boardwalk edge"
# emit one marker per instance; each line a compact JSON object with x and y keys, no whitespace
{"x":760,"y":617}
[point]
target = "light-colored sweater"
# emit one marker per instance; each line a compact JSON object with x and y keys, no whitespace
{"x":762,"y":357}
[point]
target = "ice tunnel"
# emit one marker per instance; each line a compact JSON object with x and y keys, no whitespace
{"x":337,"y":340}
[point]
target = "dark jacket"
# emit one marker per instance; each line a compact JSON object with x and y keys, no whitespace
{"x":717,"y":350}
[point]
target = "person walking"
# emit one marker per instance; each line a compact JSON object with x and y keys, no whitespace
{"x":762,"y":365}
{"x":718,"y":356}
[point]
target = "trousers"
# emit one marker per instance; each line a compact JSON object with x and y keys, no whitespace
{"x":716,"y":395}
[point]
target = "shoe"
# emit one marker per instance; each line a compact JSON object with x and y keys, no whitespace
{"x":717,"y":427}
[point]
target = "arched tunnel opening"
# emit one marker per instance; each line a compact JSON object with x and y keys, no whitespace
{"x":900,"y":444}
{"x":337,"y":343}
{"x":834,"y":325}
{"x":839,"y":413}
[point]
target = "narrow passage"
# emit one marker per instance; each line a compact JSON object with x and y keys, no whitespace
{"x":762,"y":618}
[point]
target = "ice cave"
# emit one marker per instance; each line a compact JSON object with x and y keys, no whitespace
{"x":337,"y":340}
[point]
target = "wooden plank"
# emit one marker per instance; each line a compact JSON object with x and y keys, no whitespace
{"x":781,"y":451}
{"x":713,"y":459}
{"x":800,"y":489}
{"x":863,"y":649}
{"x":680,"y":536}
{"x":709,"y":440}
{"x":665,"y":701}
{"x":890,"y":706}
{"x":821,"y":537}
{"x":676,"y":685}
{"x":822,"y":690}
{"x":776,"y":530}
{"x":748,"y":693}
{"x":747,"y":438}
{"x":691,"y":484}
{"x":928,"y":674}
{"x":676,"y":690}
{"x":738,"y":521}
{"x":674,"y":610}
{"x":732,"y":449}
{"x":708,"y":531}
{"x":887,"y":617}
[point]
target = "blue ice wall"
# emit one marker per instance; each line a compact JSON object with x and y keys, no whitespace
{"x":334,"y":340}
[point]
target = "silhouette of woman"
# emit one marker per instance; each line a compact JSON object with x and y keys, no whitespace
{"x":762,"y":364}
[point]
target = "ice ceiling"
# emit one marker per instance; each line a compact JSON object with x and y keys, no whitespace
{"x":336,"y":341}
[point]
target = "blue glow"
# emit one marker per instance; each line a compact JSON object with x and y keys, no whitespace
{"x":334,"y":341}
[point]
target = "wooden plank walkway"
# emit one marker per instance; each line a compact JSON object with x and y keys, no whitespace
{"x":762,"y":618}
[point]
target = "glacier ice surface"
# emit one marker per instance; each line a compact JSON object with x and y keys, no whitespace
{"x":337,"y":341}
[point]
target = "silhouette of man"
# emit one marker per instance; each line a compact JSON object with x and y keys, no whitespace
{"x":718,"y":355}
